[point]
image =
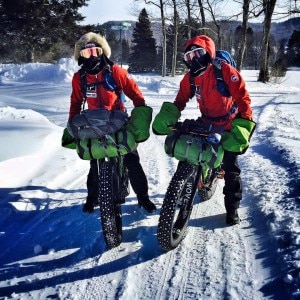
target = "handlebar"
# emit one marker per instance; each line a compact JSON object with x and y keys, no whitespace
{"x":211,"y":134}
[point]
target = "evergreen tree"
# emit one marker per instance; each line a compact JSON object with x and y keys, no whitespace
{"x":33,"y":26}
{"x":142,"y":58}
{"x":294,"y":48}
{"x":114,"y":43}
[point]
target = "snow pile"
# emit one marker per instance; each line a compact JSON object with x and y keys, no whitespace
{"x":38,"y":72}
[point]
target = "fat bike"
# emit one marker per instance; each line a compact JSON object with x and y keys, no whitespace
{"x":191,"y":177}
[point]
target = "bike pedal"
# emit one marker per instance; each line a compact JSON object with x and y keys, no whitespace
{"x":220,"y":174}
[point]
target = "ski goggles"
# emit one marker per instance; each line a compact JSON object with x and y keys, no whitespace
{"x":88,"y":52}
{"x":198,"y":52}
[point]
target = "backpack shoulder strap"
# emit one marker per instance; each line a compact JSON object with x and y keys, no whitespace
{"x":222,"y":86}
{"x":83,"y":82}
{"x":217,"y":65}
{"x":110,"y":84}
{"x":192,"y":87}
{"x":109,"y":81}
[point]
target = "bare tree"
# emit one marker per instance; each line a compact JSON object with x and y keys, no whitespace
{"x":241,"y":50}
{"x":202,"y":14}
{"x":211,"y":8}
{"x":175,"y":25}
{"x":161,"y":5}
{"x":268,"y":9}
{"x":189,"y":21}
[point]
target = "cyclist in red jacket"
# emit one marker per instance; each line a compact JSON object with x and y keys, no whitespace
{"x":92,"y":53}
{"x":233,"y":113}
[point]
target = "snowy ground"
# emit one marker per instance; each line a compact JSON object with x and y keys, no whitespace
{"x":49,"y":249}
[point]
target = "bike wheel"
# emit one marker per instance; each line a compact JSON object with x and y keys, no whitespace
{"x":110,"y":209}
{"x":177,"y":206}
{"x":209,"y":187}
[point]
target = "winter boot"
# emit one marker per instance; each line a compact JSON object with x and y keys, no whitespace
{"x":88,"y":206}
{"x":232,"y":217}
{"x":144,"y":201}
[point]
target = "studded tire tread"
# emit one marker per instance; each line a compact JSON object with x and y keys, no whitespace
{"x":174,"y":218}
{"x":110,"y":210}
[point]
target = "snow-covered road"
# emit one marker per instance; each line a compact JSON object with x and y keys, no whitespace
{"x":49,"y":249}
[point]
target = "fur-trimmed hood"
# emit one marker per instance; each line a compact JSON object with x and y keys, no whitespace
{"x":91,"y":37}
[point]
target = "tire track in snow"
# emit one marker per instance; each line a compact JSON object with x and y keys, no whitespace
{"x":190,"y":254}
{"x":158,"y":167}
{"x":143,"y":247}
{"x":210,"y":245}
{"x":146,"y":252}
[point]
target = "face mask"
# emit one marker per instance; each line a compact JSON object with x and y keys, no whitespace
{"x":198,"y":65}
{"x":91,"y":64}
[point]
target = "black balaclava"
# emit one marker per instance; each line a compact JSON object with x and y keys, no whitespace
{"x":198,"y":65}
{"x":93,"y":65}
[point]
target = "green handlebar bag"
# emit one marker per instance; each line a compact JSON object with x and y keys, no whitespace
{"x":194,"y":150}
{"x":119,"y":143}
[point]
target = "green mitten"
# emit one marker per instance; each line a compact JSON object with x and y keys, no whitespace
{"x":67,"y":140}
{"x":139,"y":123}
{"x":165,"y":119}
{"x":238,"y":138}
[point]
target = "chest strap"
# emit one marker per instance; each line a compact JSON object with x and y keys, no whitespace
{"x":226,"y":117}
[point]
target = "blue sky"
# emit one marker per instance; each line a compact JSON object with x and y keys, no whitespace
{"x":99,"y":11}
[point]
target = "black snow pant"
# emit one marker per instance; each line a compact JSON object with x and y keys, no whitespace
{"x":136,"y":176}
{"x":233,"y":184}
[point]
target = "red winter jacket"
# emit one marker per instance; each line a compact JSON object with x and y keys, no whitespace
{"x":99,"y":96}
{"x":214,"y":107}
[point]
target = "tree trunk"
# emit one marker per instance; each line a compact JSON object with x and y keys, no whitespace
{"x":218,"y":43}
{"x":30,"y":55}
{"x":164,"y":33}
{"x":264,"y":75}
{"x":242,"y":48}
{"x":202,"y":14}
{"x":189,"y":31}
{"x":174,"y":57}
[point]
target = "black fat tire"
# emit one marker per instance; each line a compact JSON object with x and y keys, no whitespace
{"x":177,"y":207}
{"x":110,"y":209}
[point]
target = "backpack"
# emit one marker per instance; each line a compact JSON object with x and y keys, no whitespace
{"x":221,"y":55}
